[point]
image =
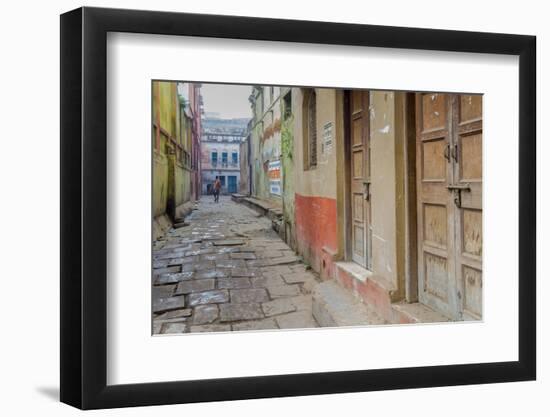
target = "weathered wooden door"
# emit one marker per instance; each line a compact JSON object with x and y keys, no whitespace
{"x":468,"y":176}
{"x":360,"y":178}
{"x":449,"y":175}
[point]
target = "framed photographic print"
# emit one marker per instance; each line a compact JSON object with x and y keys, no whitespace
{"x":256,"y":208}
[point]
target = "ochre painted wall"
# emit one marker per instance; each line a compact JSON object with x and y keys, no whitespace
{"x":321,"y":180}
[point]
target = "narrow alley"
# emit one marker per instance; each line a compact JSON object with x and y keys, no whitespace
{"x":339,"y":207}
{"x":227,"y":270}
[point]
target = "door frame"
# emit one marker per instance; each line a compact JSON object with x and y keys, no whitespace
{"x":409,"y":143}
{"x":347,"y":177}
{"x":411,"y":219}
{"x":348,"y":215}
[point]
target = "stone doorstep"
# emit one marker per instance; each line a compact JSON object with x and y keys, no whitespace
{"x":378,"y":296}
{"x":334,"y":306}
{"x":367,"y":287}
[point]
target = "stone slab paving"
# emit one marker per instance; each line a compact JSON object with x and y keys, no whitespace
{"x":227,"y":270}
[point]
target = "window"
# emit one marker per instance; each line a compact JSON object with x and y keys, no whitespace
{"x":214,"y":158}
{"x":287,"y":105}
{"x":271,"y":93}
{"x":310,"y":129}
{"x":224,"y":159}
{"x":234,"y":158}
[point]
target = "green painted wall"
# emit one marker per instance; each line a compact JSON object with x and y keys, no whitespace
{"x":266,"y":141}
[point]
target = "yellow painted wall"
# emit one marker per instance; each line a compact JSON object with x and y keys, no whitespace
{"x":172,"y":125}
{"x":321,"y":180}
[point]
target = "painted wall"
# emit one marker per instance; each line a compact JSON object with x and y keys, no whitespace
{"x":244,"y":165}
{"x":387,"y":187}
{"x":265,"y":134}
{"x":287,"y":166}
{"x":172,"y":150}
{"x":315,"y":188}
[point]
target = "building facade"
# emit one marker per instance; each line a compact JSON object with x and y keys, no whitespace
{"x":265,"y":142}
{"x":220,"y":153}
{"x":175,"y":125}
{"x":381,"y":192}
{"x":193,"y":108}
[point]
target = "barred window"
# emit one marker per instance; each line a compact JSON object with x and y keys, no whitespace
{"x":312,"y":129}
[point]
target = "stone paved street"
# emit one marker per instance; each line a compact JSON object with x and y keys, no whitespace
{"x":227,"y":270}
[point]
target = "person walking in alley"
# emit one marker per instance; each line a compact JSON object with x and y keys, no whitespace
{"x":217,"y":187}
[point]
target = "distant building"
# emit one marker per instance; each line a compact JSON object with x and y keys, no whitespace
{"x":220,"y":149}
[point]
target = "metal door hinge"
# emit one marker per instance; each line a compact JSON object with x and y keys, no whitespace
{"x":447,"y":152}
{"x":366,"y":190}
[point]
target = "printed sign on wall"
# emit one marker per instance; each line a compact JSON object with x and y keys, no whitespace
{"x":274,"y":174}
{"x":327,"y":138}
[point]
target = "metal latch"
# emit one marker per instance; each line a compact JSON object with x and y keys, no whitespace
{"x":457,"y":189}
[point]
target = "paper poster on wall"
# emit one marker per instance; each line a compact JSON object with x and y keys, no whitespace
{"x":274,"y":174}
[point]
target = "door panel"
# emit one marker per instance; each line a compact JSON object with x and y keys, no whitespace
{"x":468,"y":170}
{"x":449,"y":193}
{"x":435,"y":224}
{"x":434,"y":112}
{"x":360,"y":178}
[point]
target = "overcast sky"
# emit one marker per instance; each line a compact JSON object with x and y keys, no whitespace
{"x":230,"y":101}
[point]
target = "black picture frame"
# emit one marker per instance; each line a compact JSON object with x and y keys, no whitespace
{"x":84,"y":207}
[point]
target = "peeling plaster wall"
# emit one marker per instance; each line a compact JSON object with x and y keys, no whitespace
{"x":387,"y":192}
{"x":266,"y":141}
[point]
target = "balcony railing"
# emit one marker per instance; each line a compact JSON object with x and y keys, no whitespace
{"x":216,"y":164}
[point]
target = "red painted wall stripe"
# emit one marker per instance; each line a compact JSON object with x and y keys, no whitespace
{"x":316,"y":221}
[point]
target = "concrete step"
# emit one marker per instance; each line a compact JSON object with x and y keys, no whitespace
{"x":271,"y":209}
{"x":416,"y":313}
{"x":334,"y":306}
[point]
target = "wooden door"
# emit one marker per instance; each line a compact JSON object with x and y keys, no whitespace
{"x":435,"y":206}
{"x":449,"y":183}
{"x":360,"y":178}
{"x":232,"y":183}
{"x":468,"y":167}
